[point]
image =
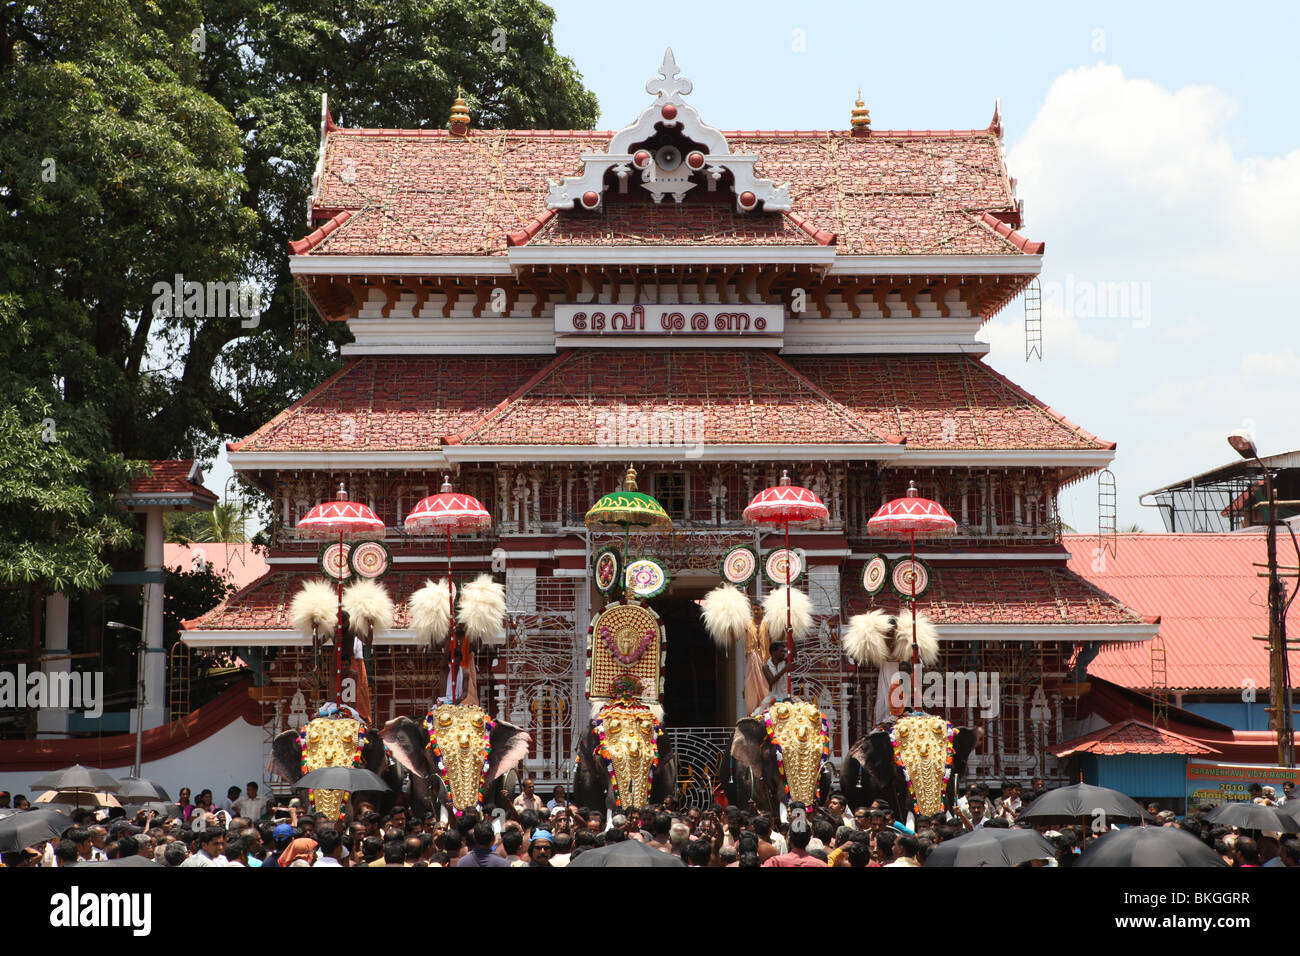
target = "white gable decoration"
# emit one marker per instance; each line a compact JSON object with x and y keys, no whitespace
{"x":663,"y":170}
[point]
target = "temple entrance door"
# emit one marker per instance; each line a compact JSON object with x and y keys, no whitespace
{"x":700,"y":680}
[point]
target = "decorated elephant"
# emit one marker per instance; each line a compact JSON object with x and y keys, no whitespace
{"x":334,"y":738}
{"x":624,"y":761}
{"x":455,"y":755}
{"x":906,"y":763}
{"x":784,"y":752}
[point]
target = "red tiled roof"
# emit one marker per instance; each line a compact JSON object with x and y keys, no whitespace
{"x":943,"y":401}
{"x":423,"y":192}
{"x":1132,"y":737}
{"x":1034,"y":595}
{"x":393,"y":404}
{"x":175,"y":477}
{"x":412,"y":403}
{"x":1210,"y":602}
{"x":740,"y":397}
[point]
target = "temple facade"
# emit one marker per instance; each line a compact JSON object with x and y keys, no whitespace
{"x":535,"y":311}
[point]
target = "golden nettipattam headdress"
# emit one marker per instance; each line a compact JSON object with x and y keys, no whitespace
{"x":801,"y":735}
{"x":923,"y":748}
{"x":629,"y":745}
{"x":331,"y":742}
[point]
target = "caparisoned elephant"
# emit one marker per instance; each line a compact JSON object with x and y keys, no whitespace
{"x":455,"y":755}
{"x":616,"y":760}
{"x":871,"y":771}
{"x":333,"y":741}
{"x":802,"y":774}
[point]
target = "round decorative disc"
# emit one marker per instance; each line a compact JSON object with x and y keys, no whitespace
{"x":646,"y":577}
{"x":606,"y":571}
{"x":874,"y":574}
{"x":777,"y":563}
{"x":739,"y":566}
{"x":334,"y":560}
{"x":904,"y":572}
{"x":370,"y":559}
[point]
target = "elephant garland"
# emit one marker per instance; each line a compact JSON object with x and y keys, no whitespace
{"x":787,"y":752}
{"x":334,"y":738}
{"x":910,"y":763}
{"x":623,"y":761}
{"x":458,"y":751}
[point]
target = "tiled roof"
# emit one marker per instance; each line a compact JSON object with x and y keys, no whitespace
{"x":1210,"y":602}
{"x":412,"y":403}
{"x":943,"y":401}
{"x":424,"y":192}
{"x":1132,"y":737}
{"x":175,"y":477}
{"x":394,"y":404}
{"x":1034,"y":595}
{"x":612,"y":396}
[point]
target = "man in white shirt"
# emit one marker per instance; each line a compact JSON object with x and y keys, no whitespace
{"x":251,"y":805}
{"x":330,"y":846}
{"x":527,"y":799}
{"x":212,"y":846}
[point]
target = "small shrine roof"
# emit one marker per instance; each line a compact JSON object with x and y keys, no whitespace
{"x":1132,"y":737}
{"x":176,"y":483}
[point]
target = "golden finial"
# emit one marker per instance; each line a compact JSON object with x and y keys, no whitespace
{"x":459,"y":114}
{"x":629,"y":480}
{"x":861,"y":121}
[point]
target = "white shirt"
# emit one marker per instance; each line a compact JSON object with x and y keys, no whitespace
{"x":250,"y":807}
{"x":328,"y":861}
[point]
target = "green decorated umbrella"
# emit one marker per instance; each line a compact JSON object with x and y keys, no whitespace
{"x":625,"y":509}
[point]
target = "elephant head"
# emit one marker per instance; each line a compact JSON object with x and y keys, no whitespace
{"x":786,"y":752}
{"x":330,"y":741}
{"x":456,"y":750}
{"x":624,"y":761}
{"x":873,"y":771}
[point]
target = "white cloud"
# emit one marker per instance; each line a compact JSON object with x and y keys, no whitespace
{"x":1061,"y":333}
{"x":1270,"y":363}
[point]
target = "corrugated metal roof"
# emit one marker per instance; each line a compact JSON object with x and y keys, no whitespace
{"x":1210,"y":602}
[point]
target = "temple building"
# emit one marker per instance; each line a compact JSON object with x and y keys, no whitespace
{"x":536,"y":311}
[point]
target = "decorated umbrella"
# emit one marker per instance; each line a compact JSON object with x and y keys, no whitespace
{"x":625,"y":509}
{"x":339,"y":517}
{"x":454,"y":513}
{"x":912,"y":516}
{"x":786,"y":504}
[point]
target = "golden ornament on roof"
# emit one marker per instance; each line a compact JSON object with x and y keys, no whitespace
{"x":861,"y":115}
{"x":460,"y":109}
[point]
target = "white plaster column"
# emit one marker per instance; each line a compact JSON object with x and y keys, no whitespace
{"x":155,"y":666}
{"x":54,"y":720}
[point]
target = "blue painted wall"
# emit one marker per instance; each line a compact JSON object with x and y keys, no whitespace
{"x":1161,"y":775}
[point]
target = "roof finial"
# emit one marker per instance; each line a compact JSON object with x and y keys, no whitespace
{"x":629,"y":480}
{"x":667,"y":84}
{"x":861,"y":121}
{"x":459,"y":115}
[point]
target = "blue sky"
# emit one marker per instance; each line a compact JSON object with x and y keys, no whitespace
{"x":1155,"y":146}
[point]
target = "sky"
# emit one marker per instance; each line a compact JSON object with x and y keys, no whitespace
{"x":1156,"y":149}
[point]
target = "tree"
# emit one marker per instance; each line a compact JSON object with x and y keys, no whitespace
{"x":225,"y":522}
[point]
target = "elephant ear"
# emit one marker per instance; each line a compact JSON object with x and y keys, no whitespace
{"x":406,"y":739}
{"x":747,"y":744}
{"x":879,"y":757}
{"x":963,"y":742}
{"x":286,"y":756}
{"x":510,"y":744}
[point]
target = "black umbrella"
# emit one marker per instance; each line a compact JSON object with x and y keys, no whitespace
{"x":30,"y":827}
{"x":137,"y":789}
{"x":1148,"y":846}
{"x":992,"y":846}
{"x":158,"y":807}
{"x":134,"y":859}
{"x":78,"y":777}
{"x":342,"y":778}
{"x":627,"y":853}
{"x":1247,"y":815}
{"x":1068,"y":804}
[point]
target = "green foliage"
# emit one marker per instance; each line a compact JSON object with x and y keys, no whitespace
{"x":189,"y":594}
{"x":224,"y":523}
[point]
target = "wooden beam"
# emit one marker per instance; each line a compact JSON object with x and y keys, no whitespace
{"x":449,"y":289}
{"x":392,"y":292}
{"x":850,"y":293}
{"x":482,"y":293}
{"x":720,"y":284}
{"x":880,"y":292}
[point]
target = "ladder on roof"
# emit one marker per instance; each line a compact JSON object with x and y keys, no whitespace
{"x":301,"y":323}
{"x":1159,"y":684}
{"x":1107,"y":531}
{"x":1033,"y":299}
{"x":178,"y":687}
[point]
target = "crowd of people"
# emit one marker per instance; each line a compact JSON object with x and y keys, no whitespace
{"x":251,"y":830}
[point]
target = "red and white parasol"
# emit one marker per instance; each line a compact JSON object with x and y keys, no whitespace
{"x":453,"y":513}
{"x":343,"y":518}
{"x":912,"y":517}
{"x":786,"y":504}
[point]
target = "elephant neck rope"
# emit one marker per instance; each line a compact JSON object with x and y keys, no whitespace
{"x":775,"y":731}
{"x":459,"y":780}
{"x":622,"y":713}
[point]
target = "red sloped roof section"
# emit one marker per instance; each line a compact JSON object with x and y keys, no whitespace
{"x":1132,"y":737}
{"x":171,"y":477}
{"x":1210,"y":602}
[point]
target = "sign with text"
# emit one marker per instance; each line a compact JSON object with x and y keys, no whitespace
{"x":1230,"y":782}
{"x":680,"y":318}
